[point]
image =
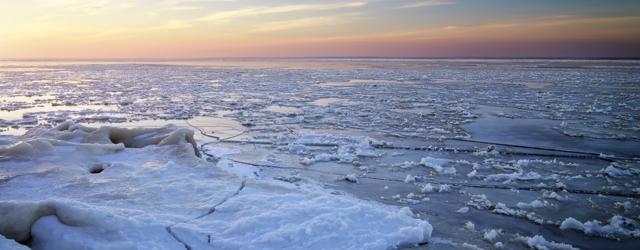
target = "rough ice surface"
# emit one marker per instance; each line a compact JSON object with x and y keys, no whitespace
{"x":510,"y":145}
{"x":618,"y":227}
{"x":108,"y":187}
{"x":540,"y":243}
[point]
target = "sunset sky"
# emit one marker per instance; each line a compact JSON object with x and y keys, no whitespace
{"x":256,"y":28}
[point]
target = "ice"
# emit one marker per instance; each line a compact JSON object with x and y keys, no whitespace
{"x":553,"y":195}
{"x":533,"y":204}
{"x":351,"y":178}
{"x":469,"y":226}
{"x":463,"y":210}
{"x":436,"y":165}
{"x":11,"y":244}
{"x":55,"y":224}
{"x":507,"y":178}
{"x":501,"y":208}
{"x":471,"y":246}
{"x":616,"y":172}
{"x":409,"y":179}
{"x":283,"y":109}
{"x":618,"y":226}
{"x":153,"y":191}
{"x":492,"y":234}
{"x":325,"y":101}
{"x":540,"y":243}
{"x":304,"y":219}
{"x":535,"y":140}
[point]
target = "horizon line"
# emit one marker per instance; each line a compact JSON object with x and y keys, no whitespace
{"x":314,"y":57}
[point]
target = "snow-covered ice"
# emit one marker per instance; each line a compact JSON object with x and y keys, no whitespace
{"x":153,"y":192}
{"x":319,"y":153}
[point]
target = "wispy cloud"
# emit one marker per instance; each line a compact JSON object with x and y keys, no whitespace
{"x":308,"y":22}
{"x":182,"y":8}
{"x":298,"y":23}
{"x":426,"y":4}
{"x":126,"y":32}
{"x":91,"y":7}
{"x":187,"y":5}
{"x":257,"y":11}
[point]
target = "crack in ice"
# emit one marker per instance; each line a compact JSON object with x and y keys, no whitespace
{"x":209,"y":212}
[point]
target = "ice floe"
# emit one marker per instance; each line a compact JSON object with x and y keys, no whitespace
{"x":153,"y":191}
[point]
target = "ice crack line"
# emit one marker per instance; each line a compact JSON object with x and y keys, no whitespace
{"x":437,"y":149}
{"x":9,"y":178}
{"x":571,"y":153}
{"x":186,"y":246}
{"x":457,"y":184}
{"x":211,"y":210}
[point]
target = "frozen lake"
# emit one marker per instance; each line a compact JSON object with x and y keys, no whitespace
{"x":492,"y":153}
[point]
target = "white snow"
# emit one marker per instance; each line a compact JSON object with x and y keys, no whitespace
{"x":437,"y":165}
{"x":426,"y":188}
{"x":409,"y":179}
{"x":471,"y":246}
{"x":540,"y":243}
{"x":626,"y":206}
{"x":8,"y":244}
{"x":492,"y":234}
{"x":407,"y":211}
{"x":553,"y":195}
{"x":444,"y":188}
{"x":470,"y":226}
{"x":267,"y":117}
{"x":615,"y":172}
{"x":349,"y":148}
{"x":463,"y":210}
{"x":501,"y":208}
{"x":533,"y":204}
{"x":153,"y":192}
{"x":618,"y":227}
{"x":351,"y":178}
{"x":507,"y":178}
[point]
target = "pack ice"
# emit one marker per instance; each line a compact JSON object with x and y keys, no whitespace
{"x":77,"y":187}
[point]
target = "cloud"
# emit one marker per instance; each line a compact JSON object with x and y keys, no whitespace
{"x":426,"y":4}
{"x":91,"y":7}
{"x":224,"y":16}
{"x":187,"y":5}
{"x":298,"y":23}
{"x":182,"y":8}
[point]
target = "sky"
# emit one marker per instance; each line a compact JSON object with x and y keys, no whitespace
{"x":86,"y":29}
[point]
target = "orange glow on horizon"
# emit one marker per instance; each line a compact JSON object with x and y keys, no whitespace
{"x":175,"y":29}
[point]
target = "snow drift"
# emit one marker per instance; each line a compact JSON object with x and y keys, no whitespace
{"x":76,"y":187}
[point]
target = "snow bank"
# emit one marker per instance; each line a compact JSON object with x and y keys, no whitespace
{"x":152,"y":192}
{"x":53,"y":224}
{"x":128,"y":137}
{"x":8,"y":244}
{"x":24,"y":150}
{"x":259,"y":218}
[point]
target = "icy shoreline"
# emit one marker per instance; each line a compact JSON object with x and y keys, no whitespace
{"x":75,"y":187}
